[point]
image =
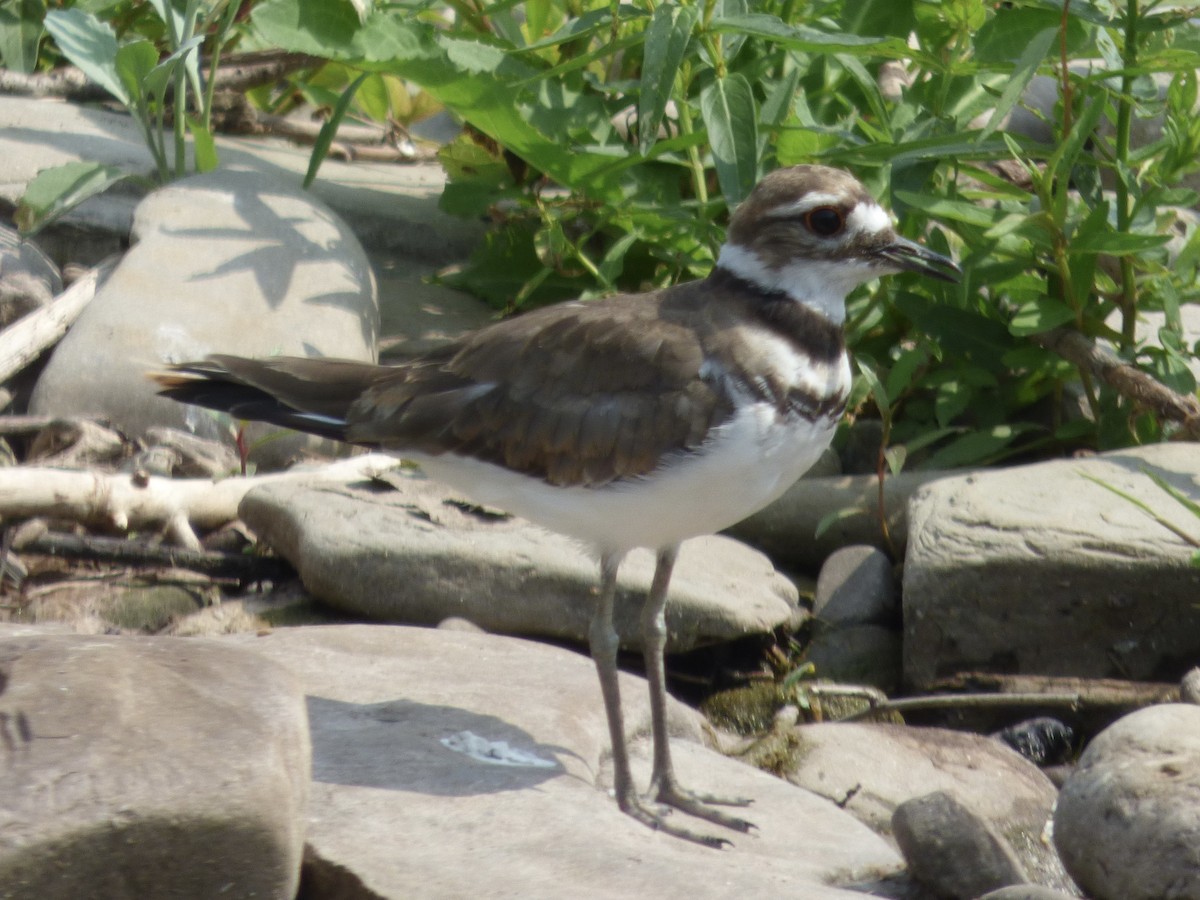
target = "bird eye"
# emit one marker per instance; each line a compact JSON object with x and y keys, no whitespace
{"x":824,"y":221}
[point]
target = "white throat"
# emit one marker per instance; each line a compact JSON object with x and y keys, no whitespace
{"x":821,"y":285}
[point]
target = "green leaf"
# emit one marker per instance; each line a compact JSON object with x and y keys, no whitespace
{"x":90,"y":44}
{"x":318,"y":27}
{"x":1011,"y":31}
{"x":610,"y":267}
{"x":977,"y":447}
{"x":329,"y":130}
{"x":900,"y":375}
{"x":958,"y":332}
{"x":774,"y":29}
{"x":925,"y":439}
{"x":833,"y":518}
{"x":20,"y":33}
{"x":1023,"y":71}
{"x":731,"y":118}
{"x":866,"y":371}
{"x":1176,"y":494}
{"x":895,"y":457}
{"x":587,"y":24}
{"x":1041,"y":315}
{"x":667,"y":40}
{"x":331,"y":29}
{"x":134,"y":63}
{"x":1115,"y":243}
{"x":55,"y":192}
{"x":203,"y":146}
{"x":952,"y":210}
{"x":1061,"y":161}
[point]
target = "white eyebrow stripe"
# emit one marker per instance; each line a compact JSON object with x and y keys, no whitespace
{"x":810,"y":201}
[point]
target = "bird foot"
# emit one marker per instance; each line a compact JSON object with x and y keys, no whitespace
{"x":657,"y":819}
{"x":671,"y":794}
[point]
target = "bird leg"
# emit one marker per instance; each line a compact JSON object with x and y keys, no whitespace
{"x":664,"y":787}
{"x":604,"y":644}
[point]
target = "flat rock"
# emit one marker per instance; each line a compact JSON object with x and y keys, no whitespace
{"x":870,"y":769}
{"x":229,"y":262}
{"x":147,"y":767}
{"x":1038,"y":570}
{"x":398,"y":808}
{"x":1128,"y":818}
{"x":421,"y":553}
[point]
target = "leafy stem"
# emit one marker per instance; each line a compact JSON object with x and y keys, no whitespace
{"x":1129,"y":299}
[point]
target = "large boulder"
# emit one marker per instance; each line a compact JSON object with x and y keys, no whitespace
{"x":1041,"y":570}
{"x":1128,"y":819}
{"x":226,"y":262}
{"x":139,"y":767}
{"x":453,"y":764}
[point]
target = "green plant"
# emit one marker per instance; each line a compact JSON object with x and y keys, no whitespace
{"x":606,"y":141}
{"x":131,"y":70}
{"x":716,"y":95}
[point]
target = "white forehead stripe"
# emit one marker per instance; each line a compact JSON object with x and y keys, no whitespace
{"x":868,"y":218}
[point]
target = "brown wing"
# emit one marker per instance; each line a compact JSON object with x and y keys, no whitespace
{"x":522,"y":394}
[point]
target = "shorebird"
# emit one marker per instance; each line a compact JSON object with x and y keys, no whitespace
{"x":639,"y":420}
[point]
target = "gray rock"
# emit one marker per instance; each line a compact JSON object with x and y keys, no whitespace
{"x":951,"y":850}
{"x":41,"y":134}
{"x":28,"y":279}
{"x":787,"y":529}
{"x":1189,"y":687}
{"x":147,"y":767}
{"x":458,"y":623}
{"x":230,"y":262}
{"x":420,"y":554}
{"x":1027,"y":892}
{"x":998,"y":561}
{"x":870,"y":769}
{"x":858,"y":654}
{"x":855,"y":587}
{"x":418,"y":316}
{"x":401,"y":808}
{"x":1032,"y":116}
{"x":1128,"y":821}
{"x":393,"y":209}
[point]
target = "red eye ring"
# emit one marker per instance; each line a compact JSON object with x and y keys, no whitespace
{"x":824,"y":221}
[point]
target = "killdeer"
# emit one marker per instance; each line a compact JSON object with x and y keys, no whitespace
{"x":635,"y":421}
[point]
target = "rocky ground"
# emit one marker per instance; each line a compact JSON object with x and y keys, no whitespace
{"x":206,"y":721}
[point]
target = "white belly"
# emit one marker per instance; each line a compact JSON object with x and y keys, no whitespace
{"x":750,"y":461}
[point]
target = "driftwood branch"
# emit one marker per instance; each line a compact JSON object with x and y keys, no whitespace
{"x":902,"y":705}
{"x":137,"y":553}
{"x":375,"y":143}
{"x":236,"y":72}
{"x":126,"y":502}
{"x":24,"y":340}
{"x":244,"y":71}
{"x":1127,"y":380}
{"x":66,"y":83}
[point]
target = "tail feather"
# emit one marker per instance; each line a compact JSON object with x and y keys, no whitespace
{"x":309,"y":395}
